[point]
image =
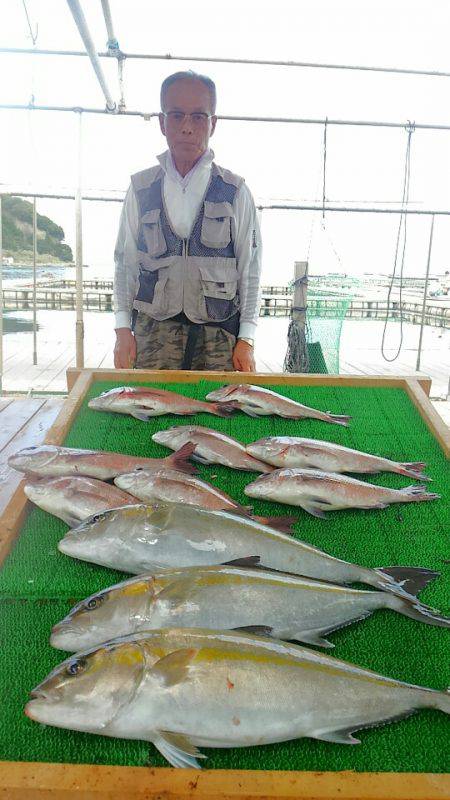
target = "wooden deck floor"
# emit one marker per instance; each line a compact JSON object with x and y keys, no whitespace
{"x":24,"y":422}
{"x":359,"y":351}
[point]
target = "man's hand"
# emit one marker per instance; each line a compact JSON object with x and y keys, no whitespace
{"x":125,"y":349}
{"x":243,"y":357}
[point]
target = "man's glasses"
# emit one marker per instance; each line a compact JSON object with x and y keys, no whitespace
{"x":197,"y":119}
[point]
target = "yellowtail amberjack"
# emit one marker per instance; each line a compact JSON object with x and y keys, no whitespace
{"x":283,"y":606}
{"x":184,"y":689}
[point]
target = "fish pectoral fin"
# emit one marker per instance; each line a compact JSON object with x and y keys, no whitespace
{"x":142,"y":413}
{"x":337,"y":737}
{"x":177,"y":592}
{"x":370,"y":508}
{"x":177,"y":749}
{"x":202,"y":459}
{"x":70,"y":519}
{"x":315,"y":506}
{"x":252,"y":411}
{"x":257,"y":630}
{"x":174,"y":668}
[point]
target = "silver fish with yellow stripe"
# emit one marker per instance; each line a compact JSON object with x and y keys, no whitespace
{"x":224,"y":597}
{"x":187,"y":688}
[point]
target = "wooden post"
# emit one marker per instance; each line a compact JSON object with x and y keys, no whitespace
{"x":34,"y":281}
{"x":297,"y":357}
{"x":1,"y":299}
{"x":79,"y":324}
{"x":300,"y":293}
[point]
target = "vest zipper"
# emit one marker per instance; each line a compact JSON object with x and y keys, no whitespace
{"x":184,"y":254}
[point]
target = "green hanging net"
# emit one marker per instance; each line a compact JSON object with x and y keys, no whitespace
{"x":316,"y":348}
{"x":325,"y":315}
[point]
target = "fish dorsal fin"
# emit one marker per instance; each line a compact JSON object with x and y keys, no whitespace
{"x":178,"y":749}
{"x":257,"y":630}
{"x":174,"y":667}
{"x":246,"y":561}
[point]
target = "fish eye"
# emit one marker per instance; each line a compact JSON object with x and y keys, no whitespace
{"x":75,"y":667}
{"x":94,"y":602}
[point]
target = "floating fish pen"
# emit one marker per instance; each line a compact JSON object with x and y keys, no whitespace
{"x":39,"y":585}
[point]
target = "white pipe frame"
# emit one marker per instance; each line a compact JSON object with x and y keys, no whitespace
{"x":80,"y":21}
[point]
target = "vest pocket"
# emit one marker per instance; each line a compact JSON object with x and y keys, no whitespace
{"x":219,"y":286}
{"x":151,"y":285}
{"x":216,"y":225}
{"x":153,"y":233}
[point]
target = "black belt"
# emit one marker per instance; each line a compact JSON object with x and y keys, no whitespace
{"x":193,"y":332}
{"x":230,"y":325}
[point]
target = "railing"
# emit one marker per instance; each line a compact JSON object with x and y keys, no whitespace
{"x":275,"y":304}
{"x":50,"y":299}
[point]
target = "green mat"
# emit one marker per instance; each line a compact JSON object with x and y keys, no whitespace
{"x":38,"y":585}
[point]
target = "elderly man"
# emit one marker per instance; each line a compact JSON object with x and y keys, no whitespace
{"x":188,"y":253}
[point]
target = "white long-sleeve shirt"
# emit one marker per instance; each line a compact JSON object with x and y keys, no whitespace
{"x":183,"y":198}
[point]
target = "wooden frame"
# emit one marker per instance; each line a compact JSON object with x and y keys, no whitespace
{"x":35,"y":781}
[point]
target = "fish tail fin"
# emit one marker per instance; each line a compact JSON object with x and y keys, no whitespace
{"x":223,"y":409}
{"x":423,"y":613}
{"x":404,"y":580}
{"x":413,"y":469}
{"x":339,"y":419}
{"x":282,"y":524}
{"x":180,"y":459}
{"x":439,"y":700}
{"x":417,"y":493}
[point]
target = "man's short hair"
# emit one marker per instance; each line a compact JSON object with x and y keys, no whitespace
{"x":190,"y":75}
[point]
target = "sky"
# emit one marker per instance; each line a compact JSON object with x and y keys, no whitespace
{"x":280,"y":162}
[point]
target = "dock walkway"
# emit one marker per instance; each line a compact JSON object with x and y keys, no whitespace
{"x":24,"y":422}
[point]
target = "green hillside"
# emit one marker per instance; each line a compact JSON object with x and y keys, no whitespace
{"x":17,"y":230}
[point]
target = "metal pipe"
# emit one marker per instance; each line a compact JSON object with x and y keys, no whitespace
{"x":359,"y":210}
{"x":34,"y":280}
{"x":80,"y":21}
{"x":112,"y":42}
{"x":259,"y":207}
{"x":425,"y":288}
{"x":1,"y":299}
{"x":247,"y":61}
{"x":296,"y":120}
{"x":79,"y":324}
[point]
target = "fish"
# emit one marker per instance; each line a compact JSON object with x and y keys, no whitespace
{"x":172,"y":486}
{"x":143,"y":402}
{"x":211,"y":447}
{"x":317,"y":492}
{"x":293,"y":451}
{"x":258,"y":402}
{"x":223,"y":597}
{"x":72,"y":499}
{"x":183,"y":689}
{"x":49,"y":460}
{"x":152,"y":537}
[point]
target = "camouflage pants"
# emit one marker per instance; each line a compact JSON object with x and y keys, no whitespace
{"x":162,"y":345}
